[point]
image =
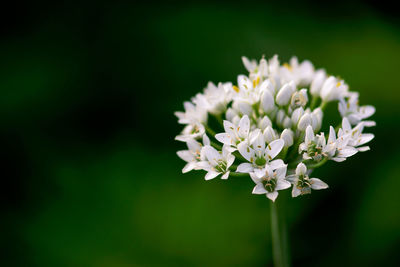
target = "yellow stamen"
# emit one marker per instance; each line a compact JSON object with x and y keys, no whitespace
{"x":235,"y":88}
{"x":286,"y":65}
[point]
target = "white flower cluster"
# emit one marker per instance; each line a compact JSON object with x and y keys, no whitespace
{"x":269,"y":125}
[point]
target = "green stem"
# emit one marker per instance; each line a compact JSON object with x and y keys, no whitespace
{"x":215,"y":145}
{"x":237,"y":174}
{"x":277,"y":248}
{"x":239,"y":156}
{"x":210,"y":131}
{"x":219,"y":119}
{"x":295,"y":148}
{"x":323,"y":105}
{"x":314,"y":101}
{"x":319,"y":164}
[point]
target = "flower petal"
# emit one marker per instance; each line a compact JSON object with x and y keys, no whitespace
{"x":259,"y":189}
{"x":244,"y":168}
{"x":224,"y":138}
{"x":246,"y":151}
{"x":282,"y":184}
{"x":295,"y":191}
{"x":301,"y":169}
{"x":189,"y":166}
{"x":274,"y":148}
{"x":186,"y":155}
{"x":272,"y":195}
{"x":244,"y":126}
{"x":225,"y":176}
{"x":211,"y":175}
{"x":317,"y":184}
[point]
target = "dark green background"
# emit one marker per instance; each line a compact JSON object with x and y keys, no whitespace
{"x":89,"y":171}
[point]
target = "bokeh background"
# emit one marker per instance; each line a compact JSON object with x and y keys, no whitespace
{"x":89,"y":171}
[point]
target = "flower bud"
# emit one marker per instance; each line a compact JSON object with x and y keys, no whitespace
{"x":304,"y":121}
{"x":296,"y":115}
{"x":270,"y":135}
{"x":264,"y":123}
{"x":230,"y":114}
{"x":318,"y":81}
{"x":287,"y":122}
{"x":267,"y":85}
{"x":245,"y":108}
{"x":316,"y":117}
{"x":263,"y":67}
{"x":287,"y":136}
{"x":299,"y":99}
{"x":285,"y":93}
{"x":280,"y":116}
{"x":333,"y":89}
{"x":267,"y":101}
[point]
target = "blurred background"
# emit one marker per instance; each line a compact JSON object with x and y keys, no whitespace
{"x":90,"y":175}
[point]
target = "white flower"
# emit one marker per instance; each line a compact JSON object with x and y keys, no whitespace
{"x":234,"y":134}
{"x":248,"y":90}
{"x":214,"y":99}
{"x":193,"y":155}
{"x":191,"y":131}
{"x":349,"y":108}
{"x":355,"y":136}
{"x":258,"y":153}
{"x":256,"y":70}
{"x":285,"y":93}
{"x":314,"y":146}
{"x":302,"y":184}
{"x":269,"y":180}
{"x":339,"y":148}
{"x":333,"y":89}
{"x":318,"y":81}
{"x":192,"y":114}
{"x":302,"y":73}
{"x":217,"y":162}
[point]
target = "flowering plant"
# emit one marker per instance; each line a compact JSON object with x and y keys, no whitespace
{"x":268,"y":126}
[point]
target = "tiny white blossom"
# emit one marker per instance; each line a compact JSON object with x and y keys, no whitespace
{"x":318,"y":81}
{"x":333,"y":89}
{"x":355,"y":135}
{"x":234,"y":134}
{"x":269,"y":180}
{"x":191,"y":131}
{"x":192,"y":114}
{"x":258,"y":153}
{"x":193,"y":155}
{"x":218,"y":162}
{"x":349,"y":108}
{"x":215,"y":98}
{"x":285,"y":93}
{"x":302,"y":184}
{"x":314,"y":146}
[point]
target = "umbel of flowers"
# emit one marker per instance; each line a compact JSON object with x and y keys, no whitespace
{"x":267,"y":126}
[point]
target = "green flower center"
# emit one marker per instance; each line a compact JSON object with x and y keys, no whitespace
{"x":260,"y":161}
{"x":314,"y":151}
{"x":269,"y":184}
{"x":221,"y":167}
{"x":304,"y":184}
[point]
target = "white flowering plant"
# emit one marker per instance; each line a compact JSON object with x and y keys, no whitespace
{"x":268,"y":126}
